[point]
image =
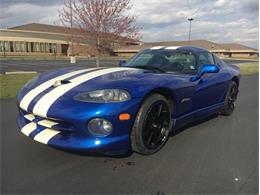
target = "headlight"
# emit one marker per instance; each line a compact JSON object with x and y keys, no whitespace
{"x":104,"y":96}
{"x":100,"y":127}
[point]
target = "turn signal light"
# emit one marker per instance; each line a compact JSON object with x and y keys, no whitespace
{"x":124,"y":117}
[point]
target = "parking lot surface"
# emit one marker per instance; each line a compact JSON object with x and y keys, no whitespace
{"x":218,"y":155}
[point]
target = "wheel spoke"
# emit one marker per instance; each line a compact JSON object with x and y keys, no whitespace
{"x":150,"y":138}
{"x":159,"y":111}
{"x":156,"y":124}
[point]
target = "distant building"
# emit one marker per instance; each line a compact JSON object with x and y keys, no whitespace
{"x":49,"y":40}
{"x":238,"y":50}
{"x":222,"y":50}
{"x":46,"y":40}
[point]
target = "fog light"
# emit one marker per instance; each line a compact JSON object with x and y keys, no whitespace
{"x":100,"y":127}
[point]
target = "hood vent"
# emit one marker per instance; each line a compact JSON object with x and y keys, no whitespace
{"x":60,"y":82}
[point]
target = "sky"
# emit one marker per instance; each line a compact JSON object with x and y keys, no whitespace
{"x":161,"y":20}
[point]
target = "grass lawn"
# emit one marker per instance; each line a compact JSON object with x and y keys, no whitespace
{"x":249,"y":68}
{"x":11,"y":84}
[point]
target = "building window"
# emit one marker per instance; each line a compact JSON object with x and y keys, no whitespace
{"x":32,"y":47}
{"x":16,"y":46}
{"x":36,"y":47}
{"x":42,"y":45}
{"x":47,"y":49}
{"x":22,"y":46}
{"x":7,"y":46}
{"x":28,"y":46}
{"x":11,"y":46}
{"x":2,"y":45}
{"x":53,"y":48}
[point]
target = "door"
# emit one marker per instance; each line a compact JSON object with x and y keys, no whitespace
{"x":208,"y":89}
{"x":64,"y":49}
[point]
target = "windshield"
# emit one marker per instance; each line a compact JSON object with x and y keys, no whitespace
{"x":165,"y":60}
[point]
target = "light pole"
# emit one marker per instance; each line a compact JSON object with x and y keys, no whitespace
{"x":190,"y":20}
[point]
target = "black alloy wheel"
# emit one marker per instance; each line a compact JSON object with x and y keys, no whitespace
{"x":230,"y":100}
{"x":156,"y":123}
{"x":152,"y":125}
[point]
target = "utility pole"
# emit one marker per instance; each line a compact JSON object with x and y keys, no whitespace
{"x":72,"y":57}
{"x":190,"y":20}
{"x":71,"y":25}
{"x":4,"y":47}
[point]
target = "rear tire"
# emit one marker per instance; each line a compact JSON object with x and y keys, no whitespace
{"x":230,"y":99}
{"x":152,"y":125}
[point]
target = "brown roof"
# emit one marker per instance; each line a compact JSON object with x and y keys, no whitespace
{"x":55,"y":29}
{"x":40,"y":28}
{"x":236,"y":46}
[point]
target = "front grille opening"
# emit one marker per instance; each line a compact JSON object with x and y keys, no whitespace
{"x":47,"y":122}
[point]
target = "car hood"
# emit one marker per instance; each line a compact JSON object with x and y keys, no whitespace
{"x":136,"y":81}
{"x":56,"y":89}
{"x":74,"y":81}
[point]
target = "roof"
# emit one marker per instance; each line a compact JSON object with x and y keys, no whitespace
{"x":21,"y":35}
{"x":40,"y":28}
{"x":236,"y":46}
{"x":47,"y":28}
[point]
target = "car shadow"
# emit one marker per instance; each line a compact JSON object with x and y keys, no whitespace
{"x":192,"y":124}
{"x":96,"y":154}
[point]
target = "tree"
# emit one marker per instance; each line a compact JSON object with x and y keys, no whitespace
{"x":104,"y":21}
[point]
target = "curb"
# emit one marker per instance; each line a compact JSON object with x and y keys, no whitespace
{"x":21,"y":72}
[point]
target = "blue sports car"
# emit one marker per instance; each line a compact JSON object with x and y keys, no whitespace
{"x":133,"y":107}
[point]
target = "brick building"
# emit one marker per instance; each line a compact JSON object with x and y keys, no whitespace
{"x":47,"y":40}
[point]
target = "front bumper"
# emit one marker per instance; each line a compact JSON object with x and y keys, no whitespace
{"x":72,"y":134}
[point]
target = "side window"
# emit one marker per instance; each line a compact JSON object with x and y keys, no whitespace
{"x":141,"y":59}
{"x":218,"y":61}
{"x":186,"y":60}
{"x":205,"y":58}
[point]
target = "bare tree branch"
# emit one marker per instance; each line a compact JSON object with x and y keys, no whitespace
{"x":105,"y":21}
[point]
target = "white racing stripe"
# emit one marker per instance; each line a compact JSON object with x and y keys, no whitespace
{"x":29,"y":117}
{"x":47,"y":123}
{"x":29,"y":128}
{"x":173,"y":47}
{"x":45,"y":135}
{"x":43,"y":105}
{"x":156,"y":47}
{"x":36,"y":91}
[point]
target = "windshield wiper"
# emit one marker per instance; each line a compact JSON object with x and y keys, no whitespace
{"x":149,"y":68}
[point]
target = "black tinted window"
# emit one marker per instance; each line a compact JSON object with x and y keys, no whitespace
{"x":219,"y":61}
{"x":166,"y":60}
{"x":205,"y":58}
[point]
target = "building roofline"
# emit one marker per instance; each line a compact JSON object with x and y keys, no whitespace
{"x":29,"y":31}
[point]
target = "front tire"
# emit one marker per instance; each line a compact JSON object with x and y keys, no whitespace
{"x":152,"y":125}
{"x":230,"y":99}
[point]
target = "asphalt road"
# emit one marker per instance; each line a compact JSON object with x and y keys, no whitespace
{"x":45,"y":65}
{"x":219,"y":155}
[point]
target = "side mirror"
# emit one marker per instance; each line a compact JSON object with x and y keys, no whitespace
{"x":207,"y":68}
{"x":122,"y":62}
